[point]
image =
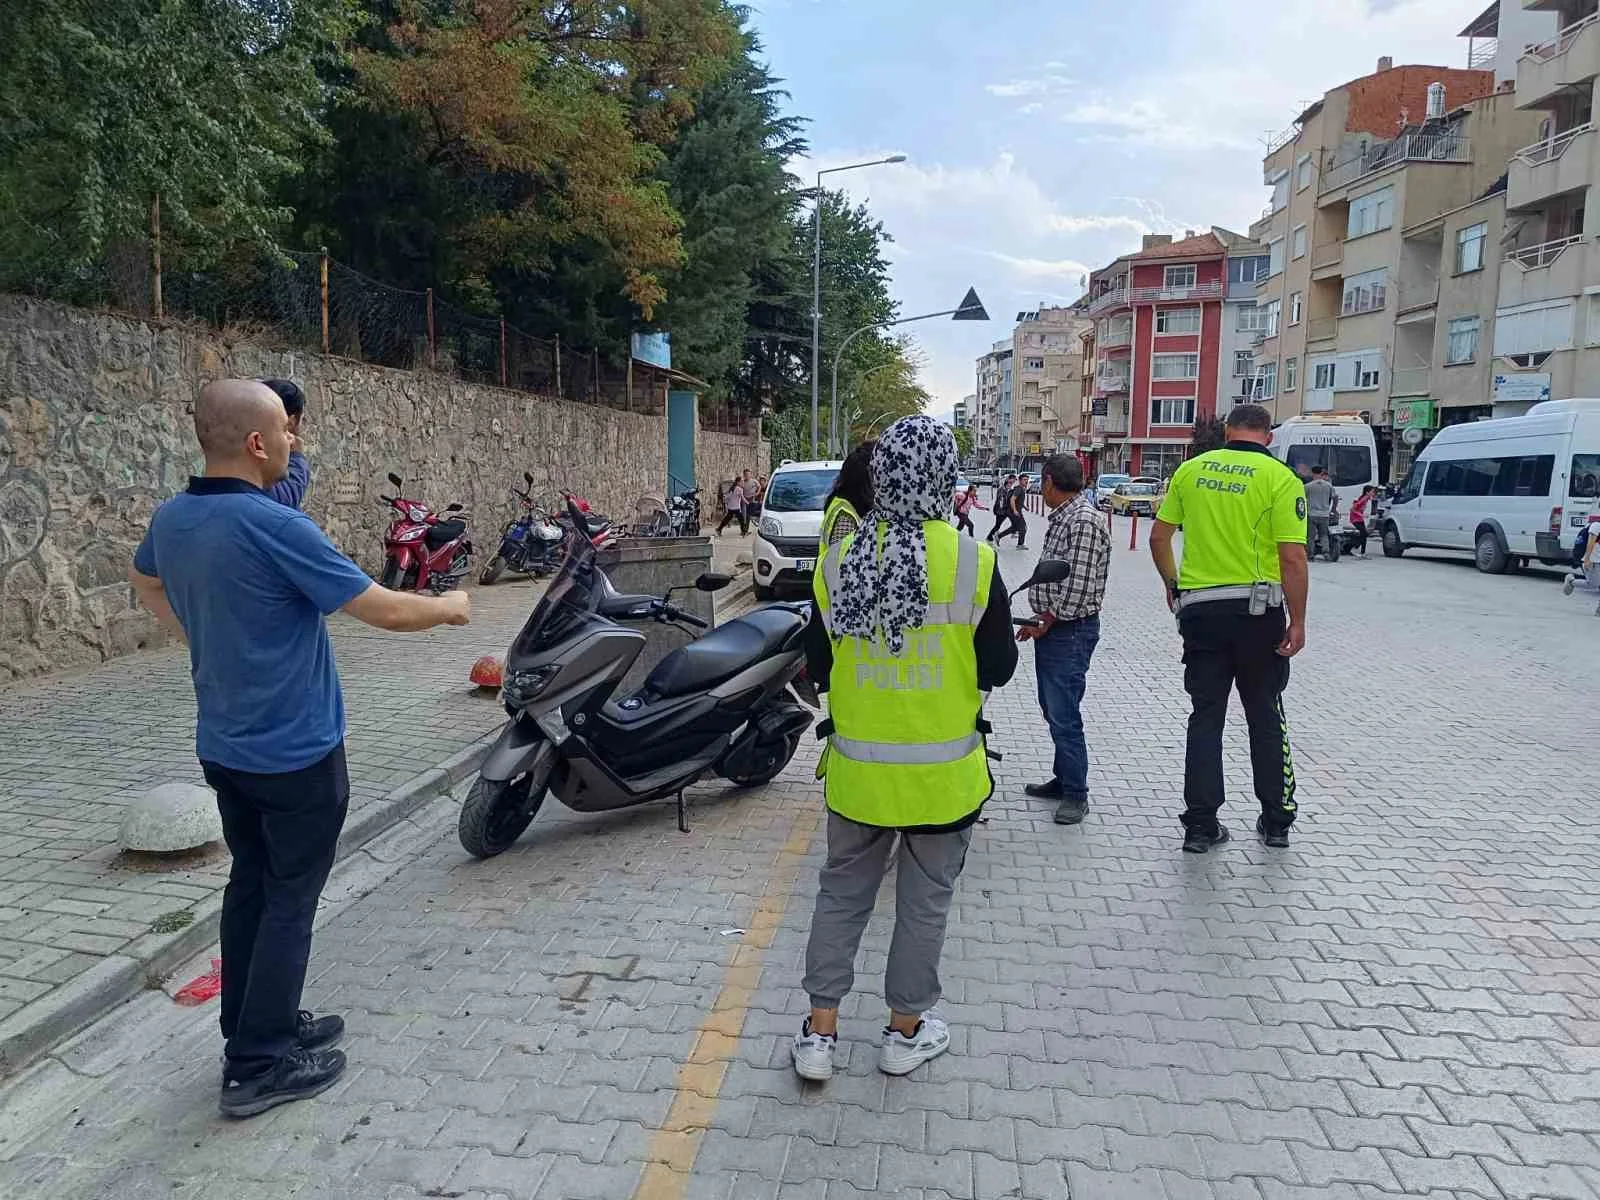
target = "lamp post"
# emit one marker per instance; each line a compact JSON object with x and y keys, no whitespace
{"x":839,"y":432}
{"x":970,"y":309}
{"x":816,"y":281}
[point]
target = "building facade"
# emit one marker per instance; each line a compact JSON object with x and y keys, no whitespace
{"x":992,"y":429}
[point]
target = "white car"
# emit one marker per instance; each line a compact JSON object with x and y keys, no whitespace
{"x":785,"y":550}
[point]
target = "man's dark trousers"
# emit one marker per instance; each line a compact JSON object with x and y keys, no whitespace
{"x":283,"y":831}
{"x":1223,"y":647}
{"x":1061,"y":662}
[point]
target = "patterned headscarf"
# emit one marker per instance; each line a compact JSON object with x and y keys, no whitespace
{"x":883,"y":583}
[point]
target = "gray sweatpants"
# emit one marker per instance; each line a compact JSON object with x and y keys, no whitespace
{"x":1319,"y":535}
{"x":858,"y":858}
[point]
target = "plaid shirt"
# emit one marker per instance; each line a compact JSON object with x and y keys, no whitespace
{"x":1078,"y":533}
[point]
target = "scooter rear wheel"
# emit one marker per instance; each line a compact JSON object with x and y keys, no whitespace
{"x":491,"y":570}
{"x":495,"y":814}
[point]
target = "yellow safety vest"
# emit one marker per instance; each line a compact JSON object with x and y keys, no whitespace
{"x":906,"y":750}
{"x":837,"y":507}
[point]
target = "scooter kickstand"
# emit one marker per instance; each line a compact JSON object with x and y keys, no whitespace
{"x":683,"y":824}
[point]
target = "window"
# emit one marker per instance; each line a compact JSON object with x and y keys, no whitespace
{"x":1275,"y":255}
{"x":1348,"y":466}
{"x":1364,"y":293}
{"x":1296,"y":307}
{"x":1033,"y":364}
{"x":1365,"y":374}
{"x":1274,"y":312}
{"x":1178,"y":320}
{"x":1411,"y":486}
{"x":1531,"y":330}
{"x":1244,"y":364}
{"x":1266,"y":385}
{"x":1248,"y":269}
{"x":1180,"y":277}
{"x":1584,"y":482}
{"x":1322,"y":375}
{"x":1291,"y":374}
{"x":1463,"y":344}
{"x":1517,"y":475}
{"x":1298,"y":247}
{"x":1175,"y":366}
{"x":1280,"y":192}
{"x":1371,"y":212}
{"x":1302,"y":173}
{"x":1593,"y":337}
{"x":1253,"y":318}
{"x":1172,"y":410}
{"x":1469,"y":248}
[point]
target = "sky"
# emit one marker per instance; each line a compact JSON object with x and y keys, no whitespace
{"x":1043,"y":137}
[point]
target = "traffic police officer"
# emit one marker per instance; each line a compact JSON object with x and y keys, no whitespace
{"x":1243,"y":515}
{"x":912,"y":626}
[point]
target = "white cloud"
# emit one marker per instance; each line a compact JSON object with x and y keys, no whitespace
{"x":1069,"y":270}
{"x":1046,"y":85}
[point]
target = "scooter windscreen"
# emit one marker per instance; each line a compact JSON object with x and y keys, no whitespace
{"x":567,"y":602}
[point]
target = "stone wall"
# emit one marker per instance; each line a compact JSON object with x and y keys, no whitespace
{"x":95,"y":431}
{"x":718,"y":457}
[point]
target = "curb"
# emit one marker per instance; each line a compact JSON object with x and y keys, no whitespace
{"x":35,"y":1029}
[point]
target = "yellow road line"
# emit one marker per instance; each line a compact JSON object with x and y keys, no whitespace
{"x":672,"y":1151}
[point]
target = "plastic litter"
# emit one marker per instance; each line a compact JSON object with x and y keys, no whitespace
{"x":202,"y":988}
{"x":734,"y":932}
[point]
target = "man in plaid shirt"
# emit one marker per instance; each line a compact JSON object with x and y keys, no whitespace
{"x":1068,"y":629}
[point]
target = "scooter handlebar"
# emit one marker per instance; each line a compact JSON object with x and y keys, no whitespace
{"x":673,"y":613}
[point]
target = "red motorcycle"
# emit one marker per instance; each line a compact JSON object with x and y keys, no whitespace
{"x":423,"y":551}
{"x":601,"y":534}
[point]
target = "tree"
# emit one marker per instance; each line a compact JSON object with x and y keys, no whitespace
{"x":963,"y":442}
{"x":104,"y":107}
{"x":1208,"y":435}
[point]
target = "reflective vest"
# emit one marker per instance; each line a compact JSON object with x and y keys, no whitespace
{"x":836,"y":508}
{"x":906,"y":750}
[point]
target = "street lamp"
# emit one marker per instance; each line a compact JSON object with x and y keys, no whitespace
{"x":970,"y":309}
{"x":839,"y":435}
{"x":816,"y":281}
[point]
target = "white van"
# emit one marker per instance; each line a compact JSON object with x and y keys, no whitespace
{"x":1344,"y":445}
{"x":785,"y":550}
{"x":1506,"y":490}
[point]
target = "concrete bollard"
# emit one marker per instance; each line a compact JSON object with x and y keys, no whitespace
{"x":171,"y":817}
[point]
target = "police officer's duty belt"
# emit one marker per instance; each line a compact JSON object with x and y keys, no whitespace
{"x":1233,"y":592}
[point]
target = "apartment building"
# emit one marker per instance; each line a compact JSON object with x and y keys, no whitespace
{"x":962,"y":414}
{"x":1160,"y":315}
{"x":1546,"y":337}
{"x":992,"y":432}
{"x":1047,"y":358}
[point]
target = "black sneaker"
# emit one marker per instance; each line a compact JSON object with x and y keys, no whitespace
{"x":1197,"y":841}
{"x":318,"y":1033}
{"x":298,"y":1075}
{"x":1044,"y":791}
{"x":1276,"y":838}
{"x":1070,"y":811}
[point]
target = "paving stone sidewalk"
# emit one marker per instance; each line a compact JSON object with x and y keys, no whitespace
{"x":1407,"y":1002}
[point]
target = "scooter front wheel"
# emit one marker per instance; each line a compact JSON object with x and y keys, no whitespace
{"x":495,"y":814}
{"x":491,"y":570}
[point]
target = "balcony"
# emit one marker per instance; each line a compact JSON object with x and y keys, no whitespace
{"x":1407,"y":148}
{"x":1327,"y":259}
{"x":1114,"y":424}
{"x":1121,"y":335}
{"x":1111,"y":383}
{"x":1322,"y":329}
{"x":1417,"y":298}
{"x":1553,"y":167}
{"x":1410,"y":381}
{"x":1569,"y":59}
{"x":1555,"y":270}
{"x":1158,"y":295}
{"x":1107,"y":301}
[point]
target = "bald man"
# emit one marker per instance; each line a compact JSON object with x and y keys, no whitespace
{"x":248,"y":582}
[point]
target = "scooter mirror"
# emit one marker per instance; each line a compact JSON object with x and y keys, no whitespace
{"x":1049,"y":570}
{"x":452,"y":508}
{"x":394,"y":479}
{"x":712,"y":581}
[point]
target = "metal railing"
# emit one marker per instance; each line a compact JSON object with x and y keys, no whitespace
{"x":1562,"y":42}
{"x":1410,"y":381}
{"x":1110,"y":299}
{"x":1108,"y":382}
{"x":1531,"y":258}
{"x":1194,"y":291}
{"x":1277,"y":141}
{"x":1112,"y":338}
{"x":1408,"y":147}
{"x":1482,"y":53}
{"x":1552,"y":148}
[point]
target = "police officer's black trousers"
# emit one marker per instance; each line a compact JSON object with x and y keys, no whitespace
{"x":1223,"y":647}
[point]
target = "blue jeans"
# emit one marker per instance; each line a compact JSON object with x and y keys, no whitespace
{"x":1061,"y":659}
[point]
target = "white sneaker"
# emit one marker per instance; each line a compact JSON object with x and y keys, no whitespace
{"x":813,"y":1054}
{"x":901,"y":1055}
{"x":1568,"y":585}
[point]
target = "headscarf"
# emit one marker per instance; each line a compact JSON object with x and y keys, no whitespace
{"x":883,"y":580}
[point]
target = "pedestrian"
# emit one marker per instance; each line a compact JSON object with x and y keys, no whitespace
{"x":1358,"y":515}
{"x":913,"y":626}
{"x":849,"y":499}
{"x":291,"y":489}
{"x":1321,"y":502}
{"x":1016,"y":504}
{"x":733,"y":502}
{"x":1243,"y":515}
{"x":270,"y":733}
{"x":754,"y":489}
{"x":966,"y":502}
{"x":1068,"y":629}
{"x":1002,"y":501}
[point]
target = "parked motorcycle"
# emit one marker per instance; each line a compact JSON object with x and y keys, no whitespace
{"x":422,"y":550}
{"x":529,"y":545}
{"x":683,"y":513}
{"x":726,"y":704}
{"x":597,"y":529}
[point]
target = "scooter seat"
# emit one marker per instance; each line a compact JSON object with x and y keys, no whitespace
{"x":442,"y":532}
{"x":724,"y":652}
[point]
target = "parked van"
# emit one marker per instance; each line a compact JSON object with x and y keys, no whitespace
{"x":785,"y":547}
{"x":1506,"y":490}
{"x":1344,"y":445}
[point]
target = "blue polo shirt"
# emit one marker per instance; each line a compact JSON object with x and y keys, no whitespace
{"x":251,"y":582}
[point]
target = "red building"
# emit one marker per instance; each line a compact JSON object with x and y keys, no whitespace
{"x":1158,"y":343}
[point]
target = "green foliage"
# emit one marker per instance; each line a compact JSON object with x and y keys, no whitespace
{"x":103,"y":106}
{"x":1208,"y":435}
{"x":963,"y":442}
